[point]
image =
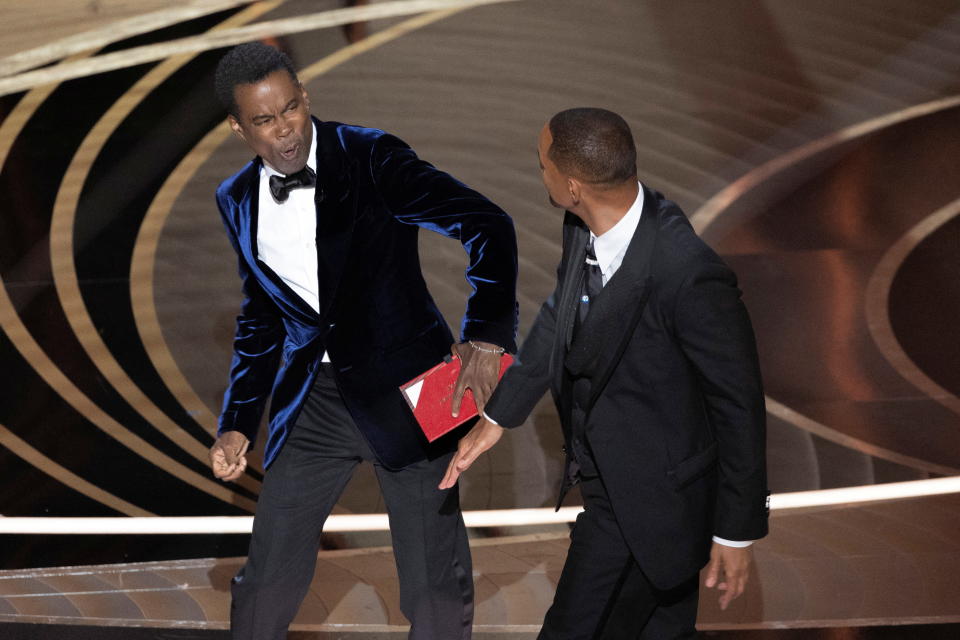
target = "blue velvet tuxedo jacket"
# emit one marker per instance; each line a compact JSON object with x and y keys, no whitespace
{"x":675,"y":414}
{"x":377,"y":319}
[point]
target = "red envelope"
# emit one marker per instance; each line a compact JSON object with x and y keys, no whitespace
{"x":430,"y":396}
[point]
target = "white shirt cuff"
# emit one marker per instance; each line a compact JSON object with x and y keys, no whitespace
{"x":489,"y":419}
{"x":732,"y":543}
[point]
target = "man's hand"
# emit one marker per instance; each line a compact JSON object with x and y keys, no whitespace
{"x":479,"y":371}
{"x":728,"y":571}
{"x":227,"y":456}
{"x":483,"y":436}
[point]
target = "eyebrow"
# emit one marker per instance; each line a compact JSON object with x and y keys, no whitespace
{"x":259,"y":116}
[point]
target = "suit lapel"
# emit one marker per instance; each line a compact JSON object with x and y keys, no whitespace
{"x":574,"y":243}
{"x":336,"y":209}
{"x":602,"y":338}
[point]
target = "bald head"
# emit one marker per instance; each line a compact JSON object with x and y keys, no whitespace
{"x":594,"y":146}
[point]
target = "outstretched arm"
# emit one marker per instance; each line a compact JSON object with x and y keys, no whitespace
{"x":522,"y":386}
{"x":257,"y":345}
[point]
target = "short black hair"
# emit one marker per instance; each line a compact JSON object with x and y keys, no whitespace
{"x":248,"y":64}
{"x":594,"y":145}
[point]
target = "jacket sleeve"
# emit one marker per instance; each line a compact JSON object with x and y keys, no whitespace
{"x":528,"y":378}
{"x":417,"y":193}
{"x":715,"y":334}
{"x":256,"y":353}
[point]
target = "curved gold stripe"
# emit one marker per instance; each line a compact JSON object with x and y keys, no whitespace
{"x":801,"y":421}
{"x":197,"y":44}
{"x":877,"y":305}
{"x":29,"y":454}
{"x":22,"y":340}
{"x":721,"y":201}
{"x":35,"y":356}
{"x":142,"y":287}
{"x":112,"y":32}
{"x":62,"y":249}
{"x":713,"y":208}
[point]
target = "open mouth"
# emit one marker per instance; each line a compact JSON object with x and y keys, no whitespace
{"x":289,"y":154}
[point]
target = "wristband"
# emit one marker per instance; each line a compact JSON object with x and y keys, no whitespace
{"x":499,"y":350}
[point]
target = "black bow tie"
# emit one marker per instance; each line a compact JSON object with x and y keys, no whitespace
{"x":280,"y":186}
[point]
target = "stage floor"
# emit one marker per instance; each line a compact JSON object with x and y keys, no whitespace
{"x":891,"y":563}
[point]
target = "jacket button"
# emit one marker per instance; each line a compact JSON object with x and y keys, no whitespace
{"x":563,"y":449}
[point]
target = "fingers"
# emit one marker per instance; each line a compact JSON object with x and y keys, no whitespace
{"x":238,"y":469}
{"x":728,"y":571}
{"x":456,"y":467}
{"x":726,"y":598}
{"x":224,"y":469}
{"x":458,"y":390}
{"x":483,"y":436}
{"x":452,"y":475}
{"x":736,"y":583}
{"x":228,"y":456}
{"x":218,"y":462}
{"x":713,"y":572}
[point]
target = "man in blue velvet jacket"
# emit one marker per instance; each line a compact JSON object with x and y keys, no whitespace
{"x":336,"y":316}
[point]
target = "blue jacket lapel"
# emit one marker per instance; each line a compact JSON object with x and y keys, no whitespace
{"x":336,"y":202}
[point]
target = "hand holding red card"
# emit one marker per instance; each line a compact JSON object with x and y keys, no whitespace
{"x":430,"y":396}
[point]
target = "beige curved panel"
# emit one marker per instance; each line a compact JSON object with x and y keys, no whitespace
{"x":113,"y":31}
{"x":711,"y":210}
{"x":877,"y":305}
{"x":63,"y":475}
{"x":62,"y":248}
{"x":142,"y":286}
{"x":197,"y":44}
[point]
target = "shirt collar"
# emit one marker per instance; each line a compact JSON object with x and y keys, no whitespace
{"x":266,"y":171}
{"x":614,"y":241}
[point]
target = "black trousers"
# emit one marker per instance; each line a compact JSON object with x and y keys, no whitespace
{"x":299,"y":490}
{"x":603,"y":594}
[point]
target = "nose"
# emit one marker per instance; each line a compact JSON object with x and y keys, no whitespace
{"x":285,"y":128}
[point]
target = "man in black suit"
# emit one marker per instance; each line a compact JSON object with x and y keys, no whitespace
{"x":651,"y":359}
{"x":336,"y":316}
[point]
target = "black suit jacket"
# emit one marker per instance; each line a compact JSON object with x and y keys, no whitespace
{"x":376,"y":319}
{"x":675,"y":415}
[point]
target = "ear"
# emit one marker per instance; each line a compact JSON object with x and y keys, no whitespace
{"x":575,"y":188}
{"x":306,"y":98}
{"x":236,"y":127}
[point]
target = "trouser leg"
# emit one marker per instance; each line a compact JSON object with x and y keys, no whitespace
{"x":596,"y":565}
{"x":299,"y":490}
{"x":603,"y":594}
{"x":431,"y":550}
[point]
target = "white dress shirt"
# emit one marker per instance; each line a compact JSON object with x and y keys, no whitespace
{"x":287,"y":234}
